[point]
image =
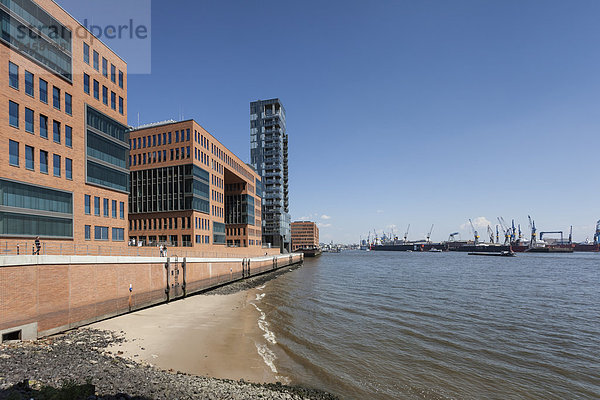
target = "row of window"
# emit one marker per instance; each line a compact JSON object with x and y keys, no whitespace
{"x":14,"y":121}
{"x":105,"y":97}
{"x":159,"y":156}
{"x":202,"y":223}
{"x":217,"y":211}
{"x":15,"y":161}
{"x":218,"y":182}
{"x":236,"y":231}
{"x":159,"y":139}
{"x":101,"y":233}
{"x":217,"y":152}
{"x":106,"y":209}
{"x":160,"y":223}
{"x":96,"y":65}
{"x":203,"y":239}
{"x":200,"y":156}
{"x":13,"y":81}
{"x":216,"y":196}
{"x":216,"y":166}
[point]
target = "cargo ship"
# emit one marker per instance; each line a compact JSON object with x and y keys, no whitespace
{"x":409,"y":246}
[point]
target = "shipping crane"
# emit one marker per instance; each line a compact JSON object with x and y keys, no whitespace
{"x":497,"y":234}
{"x":429,"y":234}
{"x":406,"y":233}
{"x":454,"y":234}
{"x":475,"y":234}
{"x":532,"y":241}
{"x":513,"y":232}
{"x":505,"y":230}
{"x":520,"y":234}
{"x":491,"y":233}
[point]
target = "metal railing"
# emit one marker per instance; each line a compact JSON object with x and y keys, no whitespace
{"x":27,"y":247}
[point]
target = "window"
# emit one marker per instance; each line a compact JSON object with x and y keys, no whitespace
{"x":43,"y":126}
{"x":177,"y":136}
{"x":101,"y":232}
{"x":29,"y":161}
{"x":113,"y":100}
{"x":118,"y":234}
{"x":13,"y":75}
{"x":114,"y":209}
{"x":87,"y":202}
{"x":68,"y":104}
{"x":96,"y":90}
{"x":13,"y":151}
{"x":122,"y":210}
{"x":164,"y":138}
{"x":56,"y":164}
{"x":86,"y":53}
{"x":86,"y":83}
{"x":120,"y":105}
{"x":28,"y":120}
{"x":68,"y":136}
{"x":43,"y":91}
{"x":69,"y":168}
{"x":56,"y":131}
{"x":97,"y":205}
{"x":171,"y":154}
{"x":96,"y":60}
{"x":121,"y":79}
{"x":188,"y":135}
{"x":188,"y":152}
{"x":158,"y":139}
{"x":153,"y":140}
{"x":144,"y":142}
{"x":104,"y":67}
{"x":105,"y":207}
{"x":13,"y":111}
{"x":164,"y":155}
{"x":105,"y":95}
{"x":43,"y":161}
{"x":170,"y":139}
{"x":113,"y":73}
{"x":56,"y":97}
{"x":88,"y":232}
{"x":29,"y":83}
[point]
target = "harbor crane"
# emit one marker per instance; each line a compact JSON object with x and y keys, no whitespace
{"x":597,"y":234}
{"x":406,"y":234}
{"x":505,"y":230}
{"x":513,"y":232}
{"x":533,"y":231}
{"x":454,"y":234}
{"x":475,"y":234}
{"x":429,"y":234}
{"x":491,"y":233}
{"x":497,"y":234}
{"x":571,"y":235}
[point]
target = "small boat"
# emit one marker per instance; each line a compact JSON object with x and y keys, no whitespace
{"x":434,"y":250}
{"x":494,"y":254}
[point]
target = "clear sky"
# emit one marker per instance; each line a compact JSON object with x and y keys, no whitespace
{"x":398,"y":112}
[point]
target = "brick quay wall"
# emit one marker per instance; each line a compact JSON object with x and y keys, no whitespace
{"x":43,"y":295}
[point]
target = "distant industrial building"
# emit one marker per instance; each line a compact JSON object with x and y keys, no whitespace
{"x":188,"y":190}
{"x":305,"y":235}
{"x":269,"y":157}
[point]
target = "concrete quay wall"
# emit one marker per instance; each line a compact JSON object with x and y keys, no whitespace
{"x":43,"y":295}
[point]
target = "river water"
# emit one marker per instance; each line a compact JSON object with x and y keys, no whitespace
{"x":394,"y":325}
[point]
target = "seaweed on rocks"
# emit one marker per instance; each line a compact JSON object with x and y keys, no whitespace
{"x":251,"y":282}
{"x":77,"y":365}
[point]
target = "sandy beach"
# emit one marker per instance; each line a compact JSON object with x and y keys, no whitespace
{"x":208,"y":335}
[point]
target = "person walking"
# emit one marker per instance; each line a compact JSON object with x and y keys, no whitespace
{"x":38,"y":245}
{"x":164,"y":250}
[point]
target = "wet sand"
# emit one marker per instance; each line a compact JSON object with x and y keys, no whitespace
{"x":217,"y":336}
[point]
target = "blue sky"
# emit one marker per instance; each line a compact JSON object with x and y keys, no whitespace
{"x":398,"y":112}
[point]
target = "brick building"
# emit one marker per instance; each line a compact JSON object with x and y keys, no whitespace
{"x":63,"y":98}
{"x":189,"y":190}
{"x":305,"y":235}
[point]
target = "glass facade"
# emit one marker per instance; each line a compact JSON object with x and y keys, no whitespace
{"x":239,"y":209}
{"x":107,"y":151}
{"x":218,"y":233}
{"x":28,"y":210}
{"x":174,"y":188}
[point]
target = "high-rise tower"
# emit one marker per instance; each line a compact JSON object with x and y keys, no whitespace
{"x":269,"y":156}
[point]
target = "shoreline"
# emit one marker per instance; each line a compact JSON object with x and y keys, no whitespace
{"x":78,"y":365}
{"x":217,"y":336}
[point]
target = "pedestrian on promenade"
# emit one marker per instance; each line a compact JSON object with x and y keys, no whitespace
{"x":38,"y":245}
{"x":164,"y":250}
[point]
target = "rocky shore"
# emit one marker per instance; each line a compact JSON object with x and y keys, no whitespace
{"x":251,"y":282}
{"x":78,"y":365}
